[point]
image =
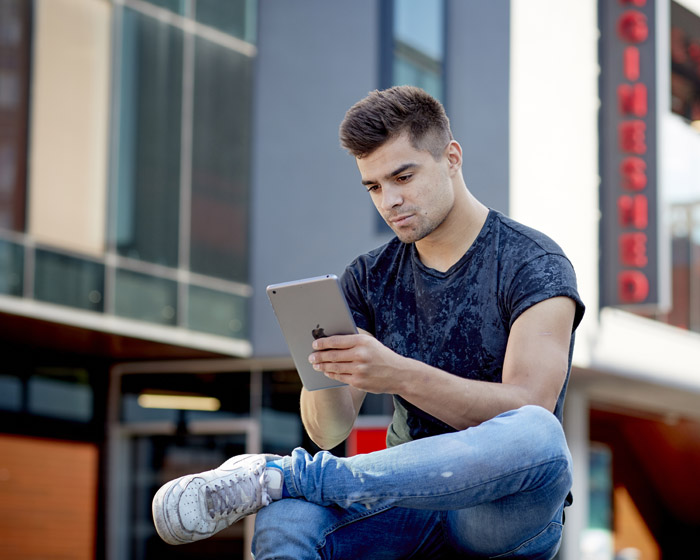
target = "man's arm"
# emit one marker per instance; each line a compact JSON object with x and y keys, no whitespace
{"x":534,"y":369}
{"x":329,"y":414}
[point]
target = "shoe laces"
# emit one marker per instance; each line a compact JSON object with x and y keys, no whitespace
{"x":234,"y":495}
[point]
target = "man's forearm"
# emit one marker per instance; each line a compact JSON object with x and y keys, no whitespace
{"x":329,"y":414}
{"x":460,"y":403}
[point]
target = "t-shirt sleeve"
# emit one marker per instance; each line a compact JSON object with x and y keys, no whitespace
{"x":550,"y":275}
{"x":350,"y":283}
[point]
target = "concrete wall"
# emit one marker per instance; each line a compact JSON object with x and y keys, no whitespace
{"x":478,"y":80}
{"x":310,"y":214}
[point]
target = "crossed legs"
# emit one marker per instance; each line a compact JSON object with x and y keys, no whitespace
{"x":496,"y":490}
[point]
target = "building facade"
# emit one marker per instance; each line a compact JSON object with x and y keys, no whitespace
{"x":162,"y":161}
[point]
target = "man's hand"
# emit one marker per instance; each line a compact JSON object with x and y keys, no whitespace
{"x":360,"y":361}
{"x":329,"y":414}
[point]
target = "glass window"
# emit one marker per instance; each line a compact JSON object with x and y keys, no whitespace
{"x":281,"y":425}
{"x":12,"y":266}
{"x":157,"y":459}
{"x":221,"y":162}
{"x":232,"y":390}
{"x":412,"y":50}
{"x":10,"y":393}
{"x":217,"y":312}
{"x":154,"y":128}
{"x":421,"y":25}
{"x":235,"y":17}
{"x":146,"y":298}
{"x":14,"y":106}
{"x":600,"y":487}
{"x":177,"y":6}
{"x":148,"y":188}
{"x":685,"y":224}
{"x":61,"y":393}
{"x":419,"y":44}
{"x":68,"y":280}
{"x":685,"y":63}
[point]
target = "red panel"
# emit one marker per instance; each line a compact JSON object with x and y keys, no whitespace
{"x":366,"y":440}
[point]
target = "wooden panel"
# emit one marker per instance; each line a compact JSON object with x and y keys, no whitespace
{"x":48,"y":493}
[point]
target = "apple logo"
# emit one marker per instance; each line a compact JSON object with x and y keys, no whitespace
{"x":318,"y":332}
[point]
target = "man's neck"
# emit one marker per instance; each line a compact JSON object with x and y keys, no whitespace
{"x":448,"y":243}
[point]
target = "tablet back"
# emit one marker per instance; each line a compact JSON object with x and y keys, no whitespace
{"x":308,"y":309}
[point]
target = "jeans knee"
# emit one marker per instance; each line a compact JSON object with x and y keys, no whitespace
{"x":536,"y":414}
{"x":542,"y":425}
{"x":543,"y":438}
{"x":289,"y":528}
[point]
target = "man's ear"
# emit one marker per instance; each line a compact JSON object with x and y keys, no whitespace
{"x":453,"y":153}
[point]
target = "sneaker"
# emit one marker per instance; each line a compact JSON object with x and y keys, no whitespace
{"x":196,"y":506}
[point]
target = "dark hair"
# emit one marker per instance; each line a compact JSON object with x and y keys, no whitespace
{"x":386,"y":114}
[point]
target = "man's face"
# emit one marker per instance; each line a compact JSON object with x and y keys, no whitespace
{"x":411,"y":191}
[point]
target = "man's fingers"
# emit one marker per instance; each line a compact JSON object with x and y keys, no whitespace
{"x":340,"y":355}
{"x":324,"y":356}
{"x":335,"y":341}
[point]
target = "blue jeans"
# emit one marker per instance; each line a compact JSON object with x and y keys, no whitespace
{"x":497,"y":490}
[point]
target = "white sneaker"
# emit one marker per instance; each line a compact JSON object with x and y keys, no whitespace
{"x":196,"y":506}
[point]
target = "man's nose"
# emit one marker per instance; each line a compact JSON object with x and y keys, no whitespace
{"x":391,"y":197}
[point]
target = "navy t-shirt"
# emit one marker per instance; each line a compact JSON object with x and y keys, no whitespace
{"x":458,"y":320}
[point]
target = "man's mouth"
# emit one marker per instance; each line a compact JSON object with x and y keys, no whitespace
{"x":401,"y":220}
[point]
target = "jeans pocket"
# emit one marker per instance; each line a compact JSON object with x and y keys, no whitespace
{"x":543,"y":546}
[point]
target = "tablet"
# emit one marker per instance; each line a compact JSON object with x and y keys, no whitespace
{"x":308,"y":309}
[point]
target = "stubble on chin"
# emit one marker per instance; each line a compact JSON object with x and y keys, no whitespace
{"x":411,"y":235}
{"x":421,"y":230}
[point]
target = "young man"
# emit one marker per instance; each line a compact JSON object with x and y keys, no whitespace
{"x":467,"y":319}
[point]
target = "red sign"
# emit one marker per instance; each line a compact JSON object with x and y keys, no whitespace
{"x":629,"y":242}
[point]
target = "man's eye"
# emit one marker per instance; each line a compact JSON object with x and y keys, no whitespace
{"x":403,"y":178}
{"x":373,"y":188}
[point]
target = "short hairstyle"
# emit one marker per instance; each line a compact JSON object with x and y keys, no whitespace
{"x":386,"y":114}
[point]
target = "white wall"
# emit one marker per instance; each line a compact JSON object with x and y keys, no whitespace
{"x":554,"y":176}
{"x":554,"y":187}
{"x":554,"y":134}
{"x":680,"y":153}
